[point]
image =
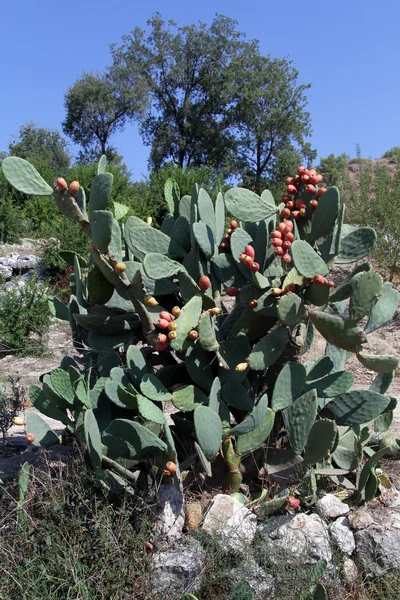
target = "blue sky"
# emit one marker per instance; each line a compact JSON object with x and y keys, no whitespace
{"x":348,"y":51}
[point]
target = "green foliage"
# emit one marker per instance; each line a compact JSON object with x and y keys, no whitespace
{"x":392,"y":153}
{"x":333,"y":168}
{"x":24,"y":319}
{"x":11,"y":405}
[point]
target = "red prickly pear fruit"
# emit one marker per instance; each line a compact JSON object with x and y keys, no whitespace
{"x":306,"y":172}
{"x":281,"y":227}
{"x":241,"y":367}
{"x":204,"y":283}
{"x":310,"y":188}
{"x":276,"y":291}
{"x":162,"y":323}
{"x":176,"y":311}
{"x":254,"y":267}
{"x":289,"y":181}
{"x":313,"y":179}
{"x":296,"y":179}
{"x":167,"y":473}
{"x":321,"y":191}
{"x":224,"y":246}
{"x":300,"y":204}
{"x":287,"y":244}
{"x":162,"y":338}
{"x":172,"y":335}
{"x":249,"y":250}
{"x":73,"y":188}
{"x":172,"y":326}
{"x":150,"y":301}
{"x":253,"y":303}
{"x":276,"y":234}
{"x":291,"y":189}
{"x":305,"y":178}
{"x":293,"y":502}
{"x":288,"y":226}
{"x":289,"y":288}
{"x":193,"y":335}
{"x":330,"y":283}
{"x":296,"y":215}
{"x":313,"y":172}
{"x":233,"y":224}
{"x":248,"y":261}
{"x":290,"y":204}
{"x":301,"y":170}
{"x":320,"y":178}
{"x":303,"y":212}
{"x":313,"y":203}
{"x":30,"y":438}
{"x":319,"y":280}
{"x":242,"y":257}
{"x":276,"y":243}
{"x":287,"y":258}
{"x":279,"y":252}
{"x":61,"y":184}
{"x":160,"y":347}
{"x":171,"y":466}
{"x":285,"y":213}
{"x":289,"y":236}
{"x":232,"y":291}
{"x":286,"y":198}
{"x":227,"y":237}
{"x":165,"y":315}
{"x":120,"y":267}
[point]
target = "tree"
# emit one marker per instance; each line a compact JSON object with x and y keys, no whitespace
{"x":333,"y":168}
{"x":96,"y":109}
{"x":268,"y":114}
{"x":46,"y":149}
{"x":187,"y":73}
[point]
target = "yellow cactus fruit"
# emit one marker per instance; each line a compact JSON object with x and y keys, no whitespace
{"x":241,"y":366}
{"x":176,"y":311}
{"x":172,"y":326}
{"x":171,"y":466}
{"x":150,"y":301}
{"x":18,"y":421}
{"x":120,"y":267}
{"x":172,"y":335}
{"x":149,"y":220}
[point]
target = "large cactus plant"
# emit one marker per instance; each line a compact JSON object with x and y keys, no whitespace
{"x":215,"y":322}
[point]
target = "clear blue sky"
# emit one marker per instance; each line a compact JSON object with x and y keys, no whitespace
{"x":348,"y":51}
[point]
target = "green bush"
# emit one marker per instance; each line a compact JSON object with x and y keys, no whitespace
{"x":11,"y":404}
{"x":24,"y":319}
{"x":11,"y":222}
{"x":392,"y":153}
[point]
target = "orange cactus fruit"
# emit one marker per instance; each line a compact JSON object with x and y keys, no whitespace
{"x":276,"y":234}
{"x":288,"y":226}
{"x":162,"y":323}
{"x":276,"y":291}
{"x":204,"y":283}
{"x":296,"y":215}
{"x":289,"y":288}
{"x":232,"y":291}
{"x":305,"y":178}
{"x":30,"y":438}
{"x":233,"y":224}
{"x":287,"y":244}
{"x":279,"y":252}
{"x":172,"y":326}
{"x":319,"y":280}
{"x":167,"y":473}
{"x":160,"y":347}
{"x":289,"y":236}
{"x":330,"y":283}
{"x":321,"y":191}
{"x":293,"y":502}
{"x":287,"y":258}
{"x":281,"y":227}
{"x":150,"y":301}
{"x":193,"y":334}
{"x":310,"y":188}
{"x":248,"y":260}
{"x":289,"y":181}
{"x":162,"y":338}
{"x":253,"y":303}
{"x":176,"y":311}
{"x":286,"y":198}
{"x":301,"y":170}
{"x":291,"y":189}
{"x":61,"y":184}
{"x":171,"y":466}
{"x":285,"y":213}
{"x":73,"y":188}
{"x":313,"y":203}
{"x":254,"y":267}
{"x":276,"y":242}
{"x":249,"y":251}
{"x":290,"y":204}
{"x":241,"y":366}
{"x":120,"y":267}
{"x":215,"y":310}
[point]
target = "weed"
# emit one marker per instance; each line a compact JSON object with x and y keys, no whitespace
{"x":11,"y":404}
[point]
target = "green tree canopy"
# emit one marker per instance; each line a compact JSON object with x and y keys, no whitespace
{"x":333,"y":168}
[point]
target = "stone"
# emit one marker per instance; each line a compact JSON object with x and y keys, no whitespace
{"x":5,"y":272}
{"x":230,"y":523}
{"x":261,"y":583}
{"x":170,"y":517}
{"x":293,"y":540}
{"x":20,"y":263}
{"x":342,"y":535}
{"x":353,"y":168}
{"x":350,"y":573}
{"x":330,"y":507}
{"x":178,"y":570}
{"x":360,"y":519}
{"x":378,"y":546}
{"x":193,"y":515}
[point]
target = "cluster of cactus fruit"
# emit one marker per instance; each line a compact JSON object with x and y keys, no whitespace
{"x":169,"y":316}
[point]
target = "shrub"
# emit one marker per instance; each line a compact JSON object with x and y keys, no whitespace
{"x":24,"y":319}
{"x":11,"y":222}
{"x":11,"y":404}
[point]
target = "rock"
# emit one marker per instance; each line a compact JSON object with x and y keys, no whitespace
{"x":5,"y":271}
{"x":350,"y":573}
{"x":170,"y":518}
{"x":330,"y":507}
{"x":378,"y":546}
{"x":178,"y":570}
{"x":20,"y":263}
{"x":193,"y":515}
{"x":360,"y":519}
{"x":261,"y":584}
{"x":353,"y":168}
{"x":342,"y":535}
{"x":294,"y":540}
{"x":231,"y":523}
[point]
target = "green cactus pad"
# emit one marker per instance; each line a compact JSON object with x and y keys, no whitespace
{"x":254,"y":439}
{"x":206,"y":210}
{"x":136,"y":364}
{"x":58,"y":309}
{"x":253,"y":420}
{"x":366,"y":289}
{"x":356,"y":245}
{"x":152,"y":387}
{"x":204,"y":238}
{"x":317,"y":294}
{"x":355,"y":408}
{"x":44,"y":435}
{"x":319,"y":368}
{"x":239,"y":240}
{"x":383,"y":422}
{"x":184,"y":207}
{"x":149,"y":411}
{"x":299,"y":417}
{"x":268,"y":349}
{"x":158,"y":266}
{"x":106,"y":325}
{"x":102,"y":229}
{"x":188,"y":397}
{"x":384,"y":309}
{"x":293,"y":277}
{"x":199,"y":366}
{"x":234,"y":351}
{"x":320,"y":441}
{"x":111,"y":342}
{"x":382,"y":383}
{"x":167,"y":224}
{"x":61,"y":384}
{"x":100,"y":193}
{"x":187,"y":320}
{"x":290,"y":309}
{"x":102,"y":164}
{"x":348,"y":452}
{"x":369,"y":465}
{"x":207,"y":337}
{"x":171,"y":195}
{"x":326,"y":213}
{"x":48,"y":406}
{"x":343,"y":290}
{"x":333,"y":384}
{"x":289,"y":385}
{"x":306,"y":260}
{"x":219,"y":218}
{"x":127,"y":439}
{"x":236,"y":396}
{"x":334,"y":330}
{"x":226,"y":271}
{"x":120,"y":210}
{"x":93,"y":439}
{"x":143,"y":239}
{"x":24,"y":177}
{"x":379,"y":363}
{"x":208,"y":429}
{"x":247,"y":206}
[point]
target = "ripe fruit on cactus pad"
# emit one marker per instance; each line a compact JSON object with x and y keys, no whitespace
{"x":241,"y":366}
{"x":150,"y":301}
{"x":61,"y":184}
{"x":249,"y":251}
{"x":73,"y":188}
{"x":319,"y":280}
{"x":162,"y":338}
{"x":30,"y":438}
{"x":165,"y":315}
{"x":176,"y":311}
{"x":233,"y":224}
{"x":232,"y":291}
{"x":120,"y":267}
{"x":254,"y":267}
{"x":162,"y":323}
{"x":204,"y":283}
{"x":171,"y":466}
{"x":193,"y":335}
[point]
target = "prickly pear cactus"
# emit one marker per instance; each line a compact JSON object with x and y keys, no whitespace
{"x":216,"y":323}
